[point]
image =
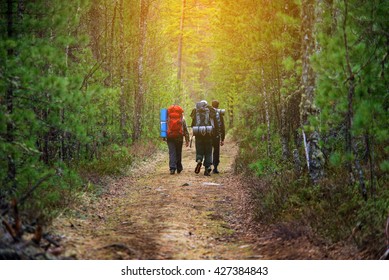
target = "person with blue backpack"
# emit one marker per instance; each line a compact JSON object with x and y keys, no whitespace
{"x":203,"y":124}
{"x":174,"y":130}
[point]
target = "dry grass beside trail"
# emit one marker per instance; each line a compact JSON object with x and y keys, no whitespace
{"x":154,"y":215}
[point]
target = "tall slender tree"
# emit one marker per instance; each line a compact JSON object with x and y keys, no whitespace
{"x":141,"y":87}
{"x":311,"y":137}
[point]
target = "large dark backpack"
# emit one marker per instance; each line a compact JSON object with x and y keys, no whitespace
{"x":218,"y":117}
{"x":175,"y":117}
{"x":204,"y":122}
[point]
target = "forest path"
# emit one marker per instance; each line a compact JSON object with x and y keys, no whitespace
{"x":154,"y":215}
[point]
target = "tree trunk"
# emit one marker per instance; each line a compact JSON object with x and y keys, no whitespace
{"x":180,"y":40}
{"x":284,"y":130}
{"x":282,"y":122}
{"x":350,"y":145}
{"x":62,"y":154}
{"x":315,"y":157}
{"x":139,"y":96}
{"x":275,"y":93}
{"x":230,"y":106}
{"x":112,"y":49}
{"x":370,"y":154}
{"x":123,"y":99}
{"x":266,"y":103}
{"x":9,"y":101}
{"x":351,"y":89}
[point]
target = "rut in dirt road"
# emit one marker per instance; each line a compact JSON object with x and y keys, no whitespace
{"x":163,"y":216}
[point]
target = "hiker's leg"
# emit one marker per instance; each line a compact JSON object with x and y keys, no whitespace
{"x":208,"y":153}
{"x":199,"y":148}
{"x":199,"y":153}
{"x":179,"y":155}
{"x":216,"y":151}
{"x":172,"y":154}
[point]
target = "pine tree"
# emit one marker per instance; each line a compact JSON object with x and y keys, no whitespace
{"x":352,"y":85}
{"x":42,"y":98}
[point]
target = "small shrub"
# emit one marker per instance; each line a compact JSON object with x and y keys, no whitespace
{"x":334,"y":210}
{"x":112,"y":161}
{"x":264,"y":166}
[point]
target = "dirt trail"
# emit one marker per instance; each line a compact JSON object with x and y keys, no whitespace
{"x":155,"y":215}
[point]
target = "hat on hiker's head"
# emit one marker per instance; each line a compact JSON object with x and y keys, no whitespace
{"x":204,"y":101}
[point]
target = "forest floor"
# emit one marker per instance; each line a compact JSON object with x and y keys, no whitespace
{"x":153,"y":215}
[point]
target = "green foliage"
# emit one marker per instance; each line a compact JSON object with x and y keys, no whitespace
{"x":370,"y":221}
{"x":364,"y":55}
{"x":336,"y":159}
{"x":39,"y":100}
{"x":62,"y":113}
{"x":78,"y":80}
{"x":333,"y":210}
{"x":264,"y":166}
{"x":72,"y":82}
{"x":385,"y":166}
{"x":268,"y":65}
{"x":113,"y":160}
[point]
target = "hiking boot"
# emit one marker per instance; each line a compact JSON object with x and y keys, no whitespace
{"x":215,"y":170}
{"x":198,"y":167}
{"x":178,"y":171}
{"x":172,"y":171}
{"x":207,"y":172}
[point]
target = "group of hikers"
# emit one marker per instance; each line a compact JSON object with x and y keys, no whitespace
{"x":208,"y":129}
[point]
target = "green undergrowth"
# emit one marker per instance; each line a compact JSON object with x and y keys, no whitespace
{"x":82,"y":183}
{"x":111,"y":161}
{"x":333,"y":210}
{"x":114,"y":160}
{"x":48,"y":199}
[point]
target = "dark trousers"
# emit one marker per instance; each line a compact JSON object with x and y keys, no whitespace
{"x":175,"y":153}
{"x":204,"y":150}
{"x":216,"y":151}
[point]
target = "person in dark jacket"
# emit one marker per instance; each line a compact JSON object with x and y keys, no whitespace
{"x":175,"y":149}
{"x":200,"y":124}
{"x":218,"y":135}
